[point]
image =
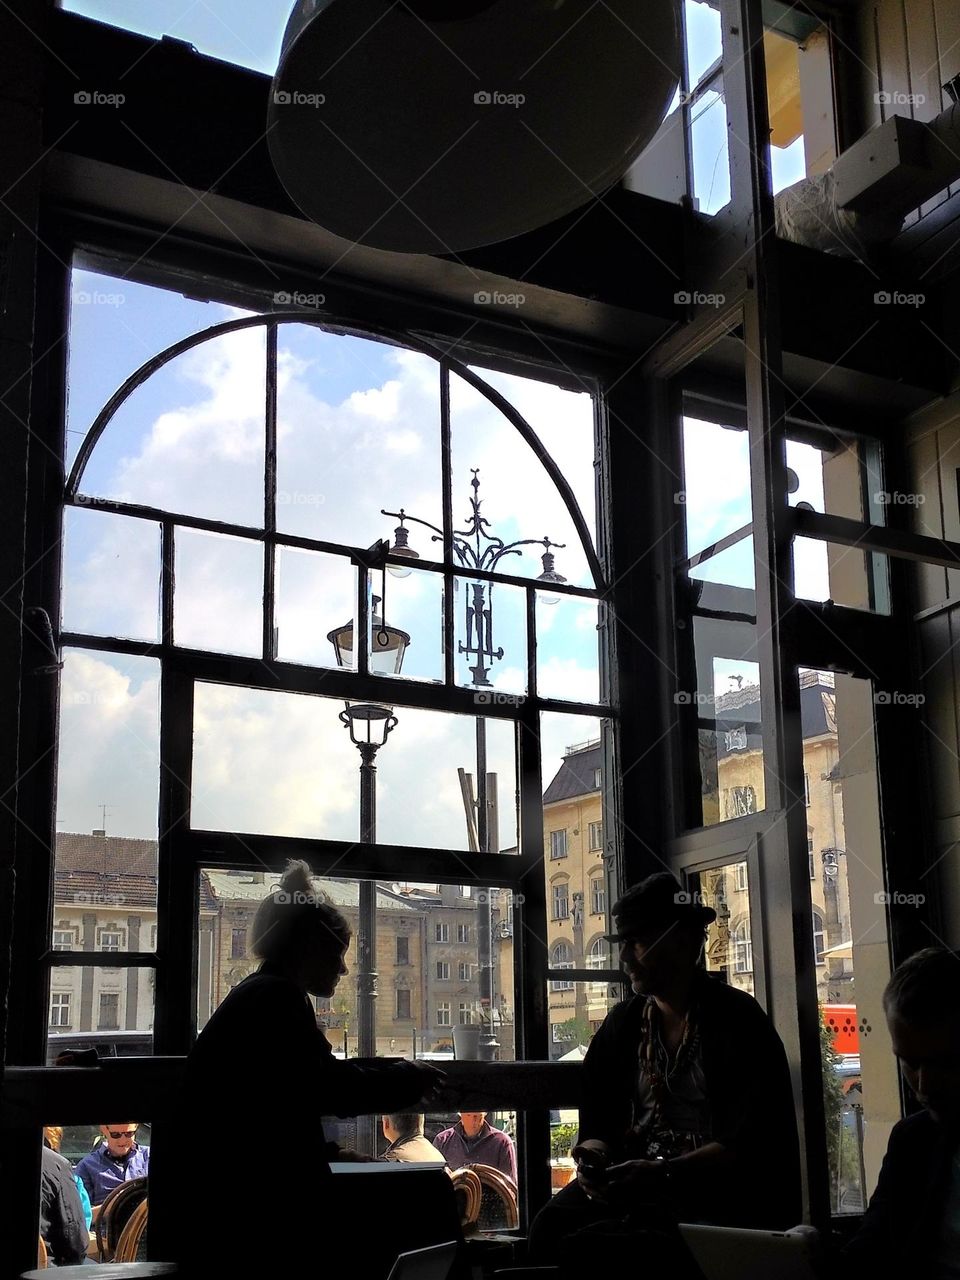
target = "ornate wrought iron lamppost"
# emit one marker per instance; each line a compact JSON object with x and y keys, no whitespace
{"x":476,"y":547}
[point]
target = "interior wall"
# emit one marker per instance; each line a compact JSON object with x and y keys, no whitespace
{"x":909,"y":48}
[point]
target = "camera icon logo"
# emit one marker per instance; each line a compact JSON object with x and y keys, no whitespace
{"x":281,"y":97}
{"x":482,"y":98}
{"x":82,"y":98}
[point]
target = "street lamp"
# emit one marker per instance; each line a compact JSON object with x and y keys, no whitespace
{"x":476,"y":547}
{"x":369,"y":724}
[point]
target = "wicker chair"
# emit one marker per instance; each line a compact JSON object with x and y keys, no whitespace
{"x":132,"y":1245}
{"x":468,"y":1189}
{"x":499,"y":1210}
{"x":115,"y":1213}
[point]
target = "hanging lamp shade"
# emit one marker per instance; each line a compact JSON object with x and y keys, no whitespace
{"x":435,"y":126}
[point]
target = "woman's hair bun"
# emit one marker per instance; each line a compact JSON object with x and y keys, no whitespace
{"x":297,"y":878}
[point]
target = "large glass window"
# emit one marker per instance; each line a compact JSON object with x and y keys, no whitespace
{"x":285,"y":542}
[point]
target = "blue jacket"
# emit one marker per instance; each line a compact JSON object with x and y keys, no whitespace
{"x":100,"y":1172}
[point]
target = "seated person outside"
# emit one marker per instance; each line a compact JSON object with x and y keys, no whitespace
{"x":687,"y":1111}
{"x":912,"y":1224}
{"x":117,"y":1159}
{"x":473,"y":1141}
{"x":404,"y":1132}
{"x":62,"y":1224}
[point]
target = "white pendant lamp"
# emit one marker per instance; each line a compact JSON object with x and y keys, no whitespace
{"x":429,"y":126}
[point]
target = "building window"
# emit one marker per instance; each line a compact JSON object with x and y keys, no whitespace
{"x":64,"y":939}
{"x":735,"y":739}
{"x":60,"y":1009}
{"x":596,"y":835}
{"x":403,"y":950}
{"x":111,"y":940}
{"x":464,"y":973}
{"x":441,"y":932}
{"x":561,"y":902}
{"x":463,"y":933}
{"x":403,"y":1004}
{"x":238,"y":946}
{"x":558,"y":844}
{"x":812,"y":865}
{"x":561,"y":957}
{"x":818,"y":938}
{"x":598,"y":897}
{"x":597,"y":776}
{"x":443,"y":1015}
{"x":742,"y":948}
{"x":443,"y":970}
{"x":806,"y":790}
{"x":597,"y":955}
{"x":109,"y":1011}
{"x":466,"y":1013}
{"x":466,"y":891}
{"x":740,"y":877}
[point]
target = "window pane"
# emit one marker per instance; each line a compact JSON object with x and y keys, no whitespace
{"x":711,"y":158}
{"x":110,"y":1010}
{"x":704,"y":41}
{"x":711,"y":512}
{"x":111,"y":575}
{"x":190,"y":438}
{"x":428,"y":961}
{"x":307,"y":771}
{"x":726,"y":703}
{"x":564,"y":423}
{"x":729,"y":941}
{"x":519,"y":500}
{"x":847,"y":576}
{"x":576,"y":1011}
{"x":315,"y":593}
{"x":358,"y":429}
{"x":851,"y":933}
{"x":490,"y":617}
{"x":415,"y":605}
{"x":105,"y":885}
{"x":568,"y":655}
{"x":218,"y":599}
{"x":109,"y":320}
{"x":844,"y":478}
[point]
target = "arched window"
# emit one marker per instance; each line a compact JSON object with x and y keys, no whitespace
{"x":561,"y":957}
{"x":597,"y":956}
{"x":742,"y":948}
{"x":230,"y":517}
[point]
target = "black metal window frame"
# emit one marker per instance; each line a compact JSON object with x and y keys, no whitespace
{"x":184,"y":850}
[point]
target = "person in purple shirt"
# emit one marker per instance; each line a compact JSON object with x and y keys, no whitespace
{"x":116,"y":1160}
{"x":473,"y":1141}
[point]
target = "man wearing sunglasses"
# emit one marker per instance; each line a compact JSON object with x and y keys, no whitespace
{"x":116,"y":1160}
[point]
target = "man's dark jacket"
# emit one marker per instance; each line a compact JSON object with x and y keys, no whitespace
{"x":62,"y":1222}
{"x":901,"y":1228}
{"x":749,"y":1094}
